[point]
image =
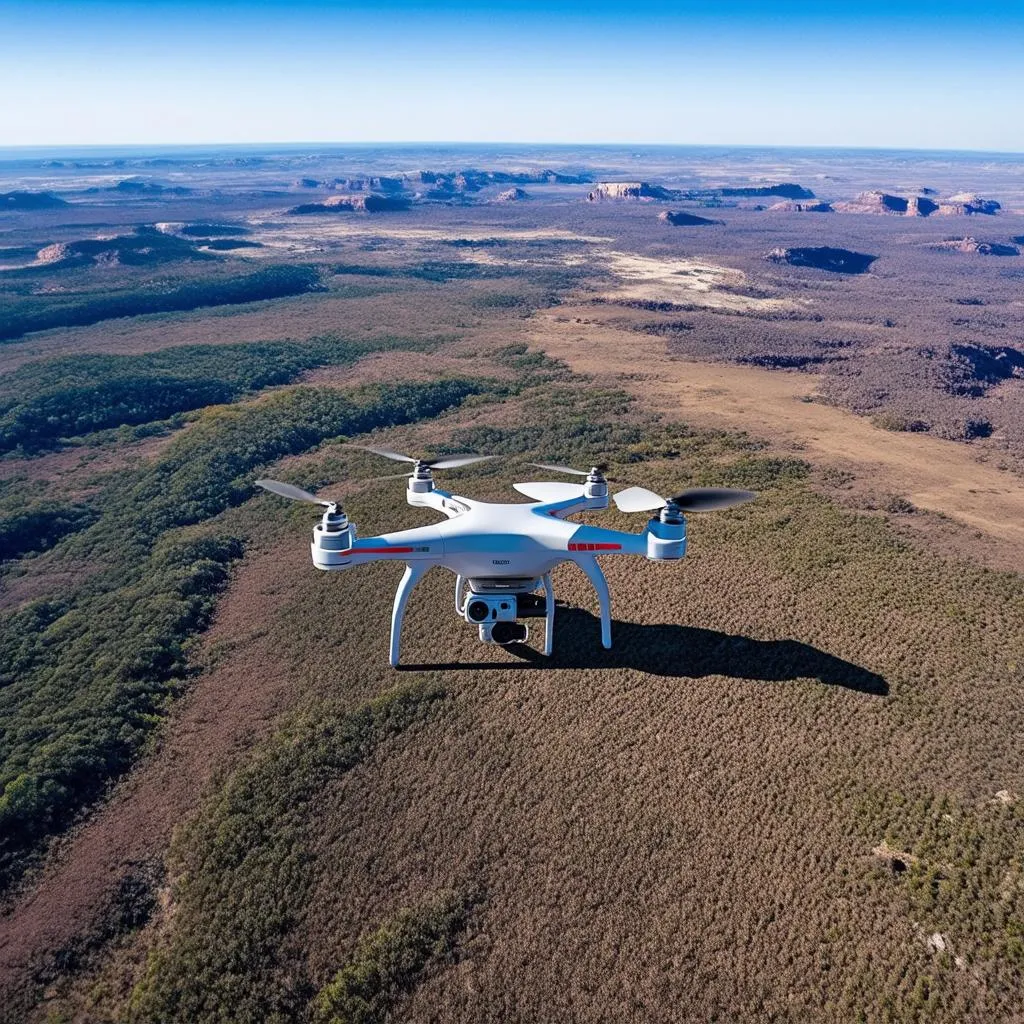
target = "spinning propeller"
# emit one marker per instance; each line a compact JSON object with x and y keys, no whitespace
{"x":424,"y":465}
{"x":600,"y":469}
{"x":296,"y":494}
{"x":694,"y":499}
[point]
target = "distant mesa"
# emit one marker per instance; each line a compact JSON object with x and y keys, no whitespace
{"x":30,"y":201}
{"x":792,"y":206}
{"x":512,"y":195}
{"x":878,"y":202}
{"x":146,"y":247}
{"x":363,"y":183}
{"x":968,"y":203}
{"x":972,"y":245}
{"x":875,"y":201}
{"x":680,"y":218}
{"x":630,"y":190}
{"x":640,"y":190}
{"x":355,"y":204}
{"x":787,"y":190}
{"x":838,"y":261}
{"x":141,"y":187}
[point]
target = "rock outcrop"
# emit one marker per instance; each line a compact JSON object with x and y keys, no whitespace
{"x":680,"y":218}
{"x":630,"y":190}
{"x":967,"y":204}
{"x":786,"y":189}
{"x":512,"y":195}
{"x":147,"y":247}
{"x":838,"y":261}
{"x":972,"y":245}
{"x":355,"y":204}
{"x":876,"y":201}
{"x":791,"y":206}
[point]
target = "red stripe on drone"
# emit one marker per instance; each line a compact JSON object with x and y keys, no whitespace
{"x":595,"y":547}
{"x":379,"y":551}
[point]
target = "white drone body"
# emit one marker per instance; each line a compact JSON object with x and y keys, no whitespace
{"x":502,"y":554}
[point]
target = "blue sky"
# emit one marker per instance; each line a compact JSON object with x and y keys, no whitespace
{"x":788,"y":72}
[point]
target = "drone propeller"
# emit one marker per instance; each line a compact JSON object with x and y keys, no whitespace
{"x":294,"y":493}
{"x":444,"y":462}
{"x":694,"y":499}
{"x":601,"y":468}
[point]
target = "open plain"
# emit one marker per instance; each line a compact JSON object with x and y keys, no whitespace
{"x":792,"y":791}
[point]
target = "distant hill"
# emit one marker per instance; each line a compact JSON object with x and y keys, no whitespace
{"x":30,"y":201}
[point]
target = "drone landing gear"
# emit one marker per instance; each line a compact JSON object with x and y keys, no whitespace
{"x":414,"y":572}
{"x":593,"y":573}
{"x":549,"y":615}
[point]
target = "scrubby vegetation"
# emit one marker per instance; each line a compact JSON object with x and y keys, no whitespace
{"x":713,"y":786}
{"x":389,"y":963}
{"x":33,"y":313}
{"x":230,"y":948}
{"x":49,"y":400}
{"x":85,"y":678}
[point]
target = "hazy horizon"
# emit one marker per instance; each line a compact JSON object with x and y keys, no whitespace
{"x":933,"y":77}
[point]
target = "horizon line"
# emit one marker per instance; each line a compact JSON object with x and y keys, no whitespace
{"x":508,"y":142}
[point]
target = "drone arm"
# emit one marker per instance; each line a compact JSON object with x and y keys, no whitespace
{"x":588,"y":563}
{"x":414,"y":572}
{"x":335,"y":551}
{"x":439,"y":501}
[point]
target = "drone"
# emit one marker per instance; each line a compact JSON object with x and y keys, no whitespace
{"x":503,"y":554}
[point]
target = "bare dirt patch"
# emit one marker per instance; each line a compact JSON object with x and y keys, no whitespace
{"x":683,"y":282}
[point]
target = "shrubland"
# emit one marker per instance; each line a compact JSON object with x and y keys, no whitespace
{"x":704,"y":801}
{"x":87,"y":675}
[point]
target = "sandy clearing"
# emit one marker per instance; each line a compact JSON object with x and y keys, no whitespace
{"x":941,"y":476}
{"x":310,"y":231}
{"x":684,"y":282}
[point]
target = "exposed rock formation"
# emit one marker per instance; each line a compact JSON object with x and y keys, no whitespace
{"x":146,"y":247}
{"x":972,"y":245}
{"x":786,"y":189}
{"x":630,"y":190}
{"x":512,"y":195}
{"x":791,"y":206}
{"x":920,"y":206}
{"x":874,"y":201}
{"x":683,"y":219}
{"x":30,"y":201}
{"x":839,"y":261}
{"x":352,"y":204}
{"x":966,"y":204}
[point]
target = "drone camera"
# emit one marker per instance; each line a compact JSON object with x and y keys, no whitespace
{"x":483,"y":608}
{"x":507,"y":632}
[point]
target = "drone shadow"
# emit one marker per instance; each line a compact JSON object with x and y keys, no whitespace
{"x":683,"y":651}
